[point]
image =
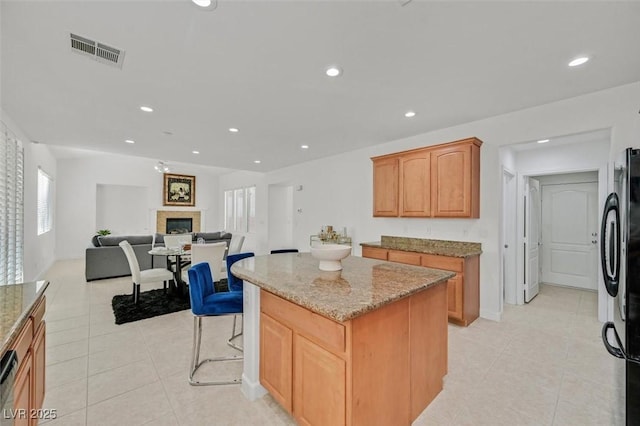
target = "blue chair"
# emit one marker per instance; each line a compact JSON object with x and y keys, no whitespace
{"x":284,"y":251}
{"x":206,"y":302}
{"x":235,"y":283}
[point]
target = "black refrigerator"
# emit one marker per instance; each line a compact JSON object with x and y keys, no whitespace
{"x":620,"y":261}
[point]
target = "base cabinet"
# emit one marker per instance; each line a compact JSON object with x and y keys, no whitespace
{"x":320,"y":385}
{"x":29,"y":388}
{"x":463,"y":290}
{"x":276,"y":343}
{"x":383,"y":367}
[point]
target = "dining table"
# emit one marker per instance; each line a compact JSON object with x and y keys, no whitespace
{"x":179,"y":287}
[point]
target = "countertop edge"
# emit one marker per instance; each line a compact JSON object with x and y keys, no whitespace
{"x":17,"y":326}
{"x":340,"y":318}
{"x":435,"y":251}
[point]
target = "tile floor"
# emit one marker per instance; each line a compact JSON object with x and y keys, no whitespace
{"x":543,"y":364}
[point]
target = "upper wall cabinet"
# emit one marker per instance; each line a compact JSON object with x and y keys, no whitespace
{"x":435,"y":181}
{"x":385,"y":187}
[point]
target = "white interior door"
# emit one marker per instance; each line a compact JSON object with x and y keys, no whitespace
{"x":569,"y":234}
{"x":532,"y":239}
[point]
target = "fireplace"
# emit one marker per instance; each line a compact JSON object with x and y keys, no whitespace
{"x":179,"y":225}
{"x":179,"y":219}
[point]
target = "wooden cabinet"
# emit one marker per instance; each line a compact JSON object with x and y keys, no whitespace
{"x":375,"y":253}
{"x":385,"y":187}
{"x":436,"y":181}
{"x":320,"y":383}
{"x":383,"y":367}
{"x":29,"y":388}
{"x":463,"y":290}
{"x":415,"y":184}
{"x":276,"y":343}
{"x":455,"y":174}
{"x":406,"y":257}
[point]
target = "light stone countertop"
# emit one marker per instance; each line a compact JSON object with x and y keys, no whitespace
{"x":362,"y":286}
{"x":16,"y":303}
{"x":427,"y":246}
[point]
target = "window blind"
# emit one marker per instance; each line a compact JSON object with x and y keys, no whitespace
{"x":11,"y":207}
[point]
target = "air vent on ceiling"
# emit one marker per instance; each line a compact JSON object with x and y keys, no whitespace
{"x":98,"y":51}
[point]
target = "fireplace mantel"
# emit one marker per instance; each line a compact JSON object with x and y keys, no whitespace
{"x":162,"y":215}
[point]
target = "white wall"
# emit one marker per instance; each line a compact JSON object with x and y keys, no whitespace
{"x":338,"y":190}
{"x":39,"y":252}
{"x":77,"y":183}
{"x":134,"y":220}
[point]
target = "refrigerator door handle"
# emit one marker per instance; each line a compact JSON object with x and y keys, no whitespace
{"x":617,"y":352}
{"x":611,"y":271}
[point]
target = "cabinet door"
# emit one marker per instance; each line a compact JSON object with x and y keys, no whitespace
{"x":451,"y":181}
{"x":454,"y":297}
{"x":415,"y":184}
{"x":385,"y":187}
{"x":276,"y":352}
{"x":22,"y":393}
{"x":39,"y":360}
{"x":320,"y":385}
{"x":375,"y":253}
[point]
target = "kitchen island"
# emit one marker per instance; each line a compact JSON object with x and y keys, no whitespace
{"x":365,"y":345}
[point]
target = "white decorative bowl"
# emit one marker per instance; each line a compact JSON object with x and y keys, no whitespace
{"x":330,"y":256}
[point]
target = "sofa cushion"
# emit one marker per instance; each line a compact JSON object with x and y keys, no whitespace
{"x":114,"y":240}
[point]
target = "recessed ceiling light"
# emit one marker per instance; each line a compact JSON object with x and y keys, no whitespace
{"x":196,"y":152}
{"x":304,"y":146}
{"x":578,"y":61}
{"x":543,"y":141}
{"x":146,"y":109}
{"x":333,"y":71}
{"x":257,"y":161}
{"x":410,"y":114}
{"x":233,"y":130}
{"x":202,"y":3}
{"x":130,"y":141}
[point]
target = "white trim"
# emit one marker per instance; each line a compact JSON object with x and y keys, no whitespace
{"x":490,"y":315}
{"x":251,"y":387}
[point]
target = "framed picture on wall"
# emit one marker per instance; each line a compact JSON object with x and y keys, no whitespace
{"x":179,"y":190}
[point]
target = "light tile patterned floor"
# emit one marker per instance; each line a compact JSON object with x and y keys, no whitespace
{"x":543,"y":364}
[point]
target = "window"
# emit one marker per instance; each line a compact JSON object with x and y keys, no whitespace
{"x":45,"y":201}
{"x":240,"y":209}
{"x":11,"y":207}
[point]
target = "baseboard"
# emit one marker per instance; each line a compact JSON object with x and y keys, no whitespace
{"x":490,"y":315}
{"x":251,"y":390}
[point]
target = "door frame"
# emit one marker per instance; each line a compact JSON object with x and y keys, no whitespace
{"x":508,"y":237}
{"x":517,"y":286}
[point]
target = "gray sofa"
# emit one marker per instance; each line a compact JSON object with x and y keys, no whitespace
{"x":107,"y":260}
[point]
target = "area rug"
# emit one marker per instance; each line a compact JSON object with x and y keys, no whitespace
{"x":151,"y":304}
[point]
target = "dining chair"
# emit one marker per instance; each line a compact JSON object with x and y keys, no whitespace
{"x":284,"y":251}
{"x":177,"y":240}
{"x":210,"y":253}
{"x":235,"y":245}
{"x":206,"y":302}
{"x":146,"y":276}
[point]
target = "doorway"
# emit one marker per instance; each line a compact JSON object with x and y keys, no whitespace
{"x":280,"y":230}
{"x":569,"y":230}
{"x":530,"y":159}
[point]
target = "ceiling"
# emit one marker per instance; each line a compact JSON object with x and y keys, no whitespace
{"x":259,"y":66}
